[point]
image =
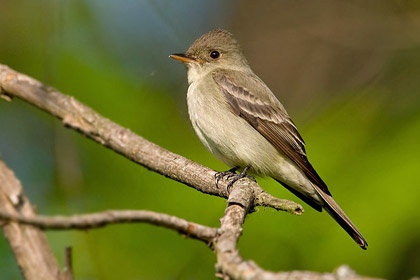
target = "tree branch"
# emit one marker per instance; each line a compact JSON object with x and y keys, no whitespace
{"x":28,"y":243}
{"x":245,"y":194}
{"x":91,"y":124}
{"x":230,"y":264}
{"x":98,"y":220}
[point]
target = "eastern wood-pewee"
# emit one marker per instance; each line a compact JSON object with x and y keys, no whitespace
{"x":241,"y":122}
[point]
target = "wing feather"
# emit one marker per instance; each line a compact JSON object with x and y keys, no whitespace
{"x":254,"y":102}
{"x":270,"y":119}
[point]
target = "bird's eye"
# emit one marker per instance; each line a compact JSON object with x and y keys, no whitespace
{"x":214,"y":54}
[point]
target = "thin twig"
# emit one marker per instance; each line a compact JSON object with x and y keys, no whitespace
{"x":101,"y":219}
{"x":68,"y":264}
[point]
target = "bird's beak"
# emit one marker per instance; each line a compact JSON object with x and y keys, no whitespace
{"x":183,"y":57}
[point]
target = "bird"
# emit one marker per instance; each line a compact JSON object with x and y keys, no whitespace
{"x":241,"y":122}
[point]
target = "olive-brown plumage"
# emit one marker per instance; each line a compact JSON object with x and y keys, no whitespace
{"x":241,"y":122}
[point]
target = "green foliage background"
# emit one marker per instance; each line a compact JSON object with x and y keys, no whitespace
{"x":363,"y":139}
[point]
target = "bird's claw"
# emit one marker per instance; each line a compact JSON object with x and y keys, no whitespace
{"x":251,"y":178}
{"x":231,"y":173}
{"x":228,"y":174}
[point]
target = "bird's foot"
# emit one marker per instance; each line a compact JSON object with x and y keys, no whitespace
{"x":228,"y":174}
{"x":239,"y":176}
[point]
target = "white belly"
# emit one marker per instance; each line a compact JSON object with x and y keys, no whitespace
{"x":235,"y":142}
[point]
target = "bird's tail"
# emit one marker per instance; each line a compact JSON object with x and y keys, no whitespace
{"x":335,"y":211}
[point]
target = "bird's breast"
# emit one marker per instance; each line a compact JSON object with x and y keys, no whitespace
{"x":225,"y":134}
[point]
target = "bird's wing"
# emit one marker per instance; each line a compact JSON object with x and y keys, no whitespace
{"x":252,"y":100}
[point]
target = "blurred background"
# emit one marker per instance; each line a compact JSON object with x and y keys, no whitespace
{"x":347,"y":71}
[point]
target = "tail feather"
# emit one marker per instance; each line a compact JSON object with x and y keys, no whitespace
{"x":335,"y":211}
{"x":310,"y":201}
